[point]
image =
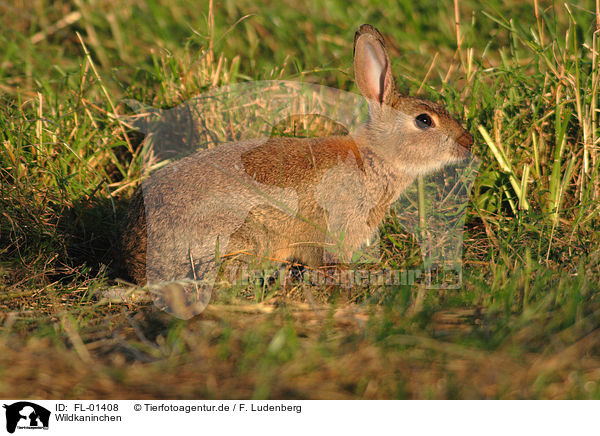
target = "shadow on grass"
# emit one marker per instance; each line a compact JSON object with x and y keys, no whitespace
{"x":90,"y":230}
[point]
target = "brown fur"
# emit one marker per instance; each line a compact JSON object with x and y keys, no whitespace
{"x":290,"y":198}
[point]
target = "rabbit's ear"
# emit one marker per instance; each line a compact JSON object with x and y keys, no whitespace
{"x":372,"y":65}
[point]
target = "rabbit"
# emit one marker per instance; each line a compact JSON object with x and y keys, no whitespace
{"x":304,"y":200}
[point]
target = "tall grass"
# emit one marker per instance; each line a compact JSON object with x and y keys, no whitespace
{"x":523,"y":77}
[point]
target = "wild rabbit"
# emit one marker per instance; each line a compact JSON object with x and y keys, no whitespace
{"x":306,"y":200}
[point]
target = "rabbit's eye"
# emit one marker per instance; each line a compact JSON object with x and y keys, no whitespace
{"x":423,"y":121}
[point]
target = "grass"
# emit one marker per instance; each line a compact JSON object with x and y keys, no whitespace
{"x":524,"y":79}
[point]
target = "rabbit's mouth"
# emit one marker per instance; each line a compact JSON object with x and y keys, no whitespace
{"x":465,"y":140}
{"x":463,"y":146}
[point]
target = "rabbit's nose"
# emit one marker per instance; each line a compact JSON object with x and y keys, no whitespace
{"x":465,"y":140}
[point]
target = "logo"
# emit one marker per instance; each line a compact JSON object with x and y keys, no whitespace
{"x":262,"y":201}
{"x":26,"y":415}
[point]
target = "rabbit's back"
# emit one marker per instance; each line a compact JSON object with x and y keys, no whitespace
{"x":277,"y":197}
